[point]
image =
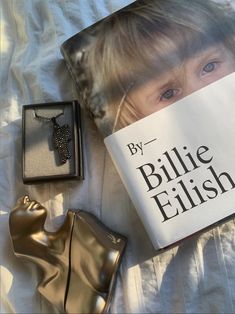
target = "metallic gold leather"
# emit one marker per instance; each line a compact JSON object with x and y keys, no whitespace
{"x":79,"y":261}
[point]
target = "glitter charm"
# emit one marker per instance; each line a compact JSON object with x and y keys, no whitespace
{"x":61,"y":137}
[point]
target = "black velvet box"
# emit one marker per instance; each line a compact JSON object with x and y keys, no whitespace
{"x":51,"y":142}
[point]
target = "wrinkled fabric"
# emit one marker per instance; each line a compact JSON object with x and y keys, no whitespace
{"x":198,"y":276}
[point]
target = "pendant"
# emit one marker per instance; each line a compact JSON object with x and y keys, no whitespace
{"x":61,"y":137}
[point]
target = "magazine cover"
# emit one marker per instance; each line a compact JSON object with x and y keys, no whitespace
{"x":157,"y":77}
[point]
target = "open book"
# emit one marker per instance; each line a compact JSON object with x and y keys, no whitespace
{"x":178,"y":164}
{"x":175,"y":154}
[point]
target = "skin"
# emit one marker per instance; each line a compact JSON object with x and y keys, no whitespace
{"x":194,"y":74}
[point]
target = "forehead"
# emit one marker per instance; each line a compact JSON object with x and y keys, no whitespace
{"x":169,"y":55}
{"x":174,"y":59}
{"x":174,"y":70}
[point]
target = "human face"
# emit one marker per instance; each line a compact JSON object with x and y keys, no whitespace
{"x":202,"y":69}
{"x":27,"y":216}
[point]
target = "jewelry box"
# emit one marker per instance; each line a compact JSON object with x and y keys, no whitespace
{"x":51,"y":142}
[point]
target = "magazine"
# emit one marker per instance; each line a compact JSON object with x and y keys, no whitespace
{"x":157,"y":78}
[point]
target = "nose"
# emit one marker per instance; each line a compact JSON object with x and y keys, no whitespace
{"x":192,"y":84}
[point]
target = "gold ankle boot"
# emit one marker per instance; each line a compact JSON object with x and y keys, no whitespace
{"x":79,"y":261}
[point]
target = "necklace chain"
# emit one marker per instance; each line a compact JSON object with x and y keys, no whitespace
{"x":43,"y":118}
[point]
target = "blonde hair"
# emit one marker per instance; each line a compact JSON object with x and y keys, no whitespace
{"x":151,"y":36}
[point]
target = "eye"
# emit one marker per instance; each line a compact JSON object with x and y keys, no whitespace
{"x":168,"y":94}
{"x":209,"y":67}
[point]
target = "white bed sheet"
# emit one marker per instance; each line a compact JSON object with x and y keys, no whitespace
{"x":196,"y":277}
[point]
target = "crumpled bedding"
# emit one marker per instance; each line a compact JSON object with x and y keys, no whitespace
{"x":197,"y":276}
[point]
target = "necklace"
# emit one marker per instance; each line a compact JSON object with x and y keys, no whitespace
{"x":61,"y":136}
